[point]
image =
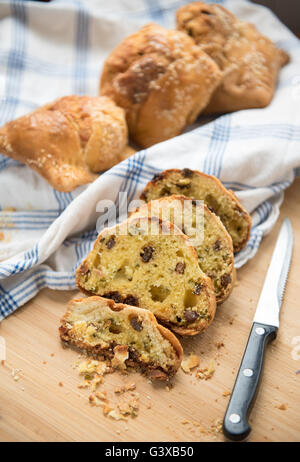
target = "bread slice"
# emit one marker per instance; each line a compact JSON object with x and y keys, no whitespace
{"x":212,"y":244}
{"x":137,"y":263}
{"x":208,"y":188}
{"x":124,"y":334}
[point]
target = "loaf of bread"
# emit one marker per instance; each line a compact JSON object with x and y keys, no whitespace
{"x":151,"y":264}
{"x":69,"y":140}
{"x":218,"y":199}
{"x":126,"y":335}
{"x":250,"y":62}
{"x":207,"y":234}
{"x":161,"y":79}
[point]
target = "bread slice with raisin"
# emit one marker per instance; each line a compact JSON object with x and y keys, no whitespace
{"x":208,"y":188}
{"x":207,"y":234}
{"x":137,"y":263}
{"x":126,"y":335}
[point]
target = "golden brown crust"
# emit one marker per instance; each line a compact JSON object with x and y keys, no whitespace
{"x":117,"y":307}
{"x":166,"y":227}
{"x":161,"y":79}
{"x":161,"y":177}
{"x":250,"y":62}
{"x":69,"y":140}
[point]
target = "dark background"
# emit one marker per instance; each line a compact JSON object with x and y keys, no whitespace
{"x":288,"y":11}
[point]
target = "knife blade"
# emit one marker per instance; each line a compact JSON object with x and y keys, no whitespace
{"x":264,"y":329}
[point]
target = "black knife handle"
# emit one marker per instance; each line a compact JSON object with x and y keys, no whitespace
{"x":235,"y":424}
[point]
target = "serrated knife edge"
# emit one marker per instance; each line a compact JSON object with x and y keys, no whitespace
{"x":270,"y":300}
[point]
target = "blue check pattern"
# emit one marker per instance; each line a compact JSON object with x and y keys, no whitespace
{"x":21,"y":281}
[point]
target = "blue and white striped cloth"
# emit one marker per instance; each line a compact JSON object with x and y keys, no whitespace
{"x":58,"y":48}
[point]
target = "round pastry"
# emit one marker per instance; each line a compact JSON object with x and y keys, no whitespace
{"x":250,"y":62}
{"x":161,"y":79}
{"x":69,"y":140}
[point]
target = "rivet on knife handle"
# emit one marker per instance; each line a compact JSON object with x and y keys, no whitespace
{"x":235,"y":424}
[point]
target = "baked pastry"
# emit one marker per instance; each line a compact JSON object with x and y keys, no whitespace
{"x":250,"y":62}
{"x":124,"y":334}
{"x":149,"y":263}
{"x":208,"y":188}
{"x":69,"y":140}
{"x":161,"y":79}
{"x":206,"y":233}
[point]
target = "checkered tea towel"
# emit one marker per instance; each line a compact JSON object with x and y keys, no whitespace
{"x":53,"y":49}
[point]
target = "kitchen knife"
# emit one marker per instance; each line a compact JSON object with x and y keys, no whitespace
{"x":264,"y":329}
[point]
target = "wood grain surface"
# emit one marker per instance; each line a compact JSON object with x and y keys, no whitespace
{"x":45,"y":404}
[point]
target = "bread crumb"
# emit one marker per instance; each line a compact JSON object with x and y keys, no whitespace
{"x":190,"y":363}
{"x":124,"y":408}
{"x":196,"y":424}
{"x":134,"y":406}
{"x":15,"y":373}
{"x":185,"y":422}
{"x":2,"y":237}
{"x":107,"y":409}
{"x":119,"y":390}
{"x":206,"y":372}
{"x":85,"y":384}
{"x":130,"y":386}
{"x":216,"y":427}
{"x":226,"y":393}
{"x":101,"y":395}
{"x":121,"y":355}
{"x":219,"y":345}
{"x":60,"y":384}
{"x":282,"y":407}
{"x":115,"y":415}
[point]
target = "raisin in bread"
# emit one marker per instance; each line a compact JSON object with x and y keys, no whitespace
{"x":207,"y":234}
{"x":208,"y":188}
{"x":126,"y":335}
{"x":137,"y":263}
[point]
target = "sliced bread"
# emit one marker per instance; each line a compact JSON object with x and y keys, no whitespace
{"x":149,"y":263}
{"x":126,"y":335}
{"x":208,"y":188}
{"x":207,"y":234}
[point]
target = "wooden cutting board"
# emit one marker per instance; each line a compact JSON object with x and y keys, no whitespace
{"x":45,"y":404}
